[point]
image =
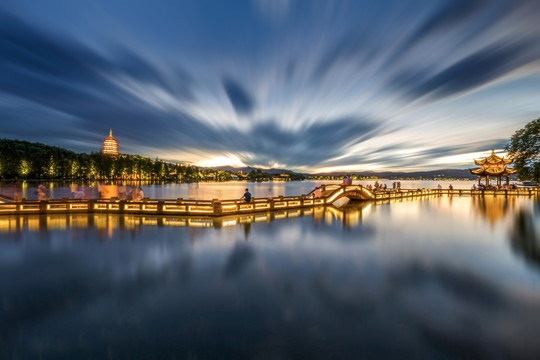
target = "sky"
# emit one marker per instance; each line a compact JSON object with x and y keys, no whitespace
{"x":311,"y":86}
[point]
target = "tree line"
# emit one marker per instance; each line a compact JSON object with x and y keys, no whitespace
{"x":26,"y":160}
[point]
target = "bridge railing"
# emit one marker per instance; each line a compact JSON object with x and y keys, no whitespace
{"x":161,"y":206}
{"x":218,"y":207}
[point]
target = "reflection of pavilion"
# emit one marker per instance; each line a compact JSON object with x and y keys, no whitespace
{"x":493,"y":208}
{"x":494,"y":166}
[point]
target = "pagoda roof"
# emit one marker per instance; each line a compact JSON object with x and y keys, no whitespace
{"x":493,"y":160}
{"x":110,"y":136}
{"x":493,"y":171}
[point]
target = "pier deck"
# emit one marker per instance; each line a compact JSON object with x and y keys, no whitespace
{"x":216,"y":207}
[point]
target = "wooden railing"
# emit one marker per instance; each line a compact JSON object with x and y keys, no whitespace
{"x":216,"y":207}
{"x":163,"y":207}
{"x":391,"y":194}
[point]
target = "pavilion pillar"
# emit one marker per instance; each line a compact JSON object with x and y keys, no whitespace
{"x":479,"y":179}
{"x":508,"y":181}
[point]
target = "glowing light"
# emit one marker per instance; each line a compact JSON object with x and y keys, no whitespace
{"x":221,"y":160}
{"x":110,"y":145}
{"x":351,"y":168}
{"x":333,"y":197}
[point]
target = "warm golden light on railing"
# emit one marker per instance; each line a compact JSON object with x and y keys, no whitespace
{"x":229,"y":207}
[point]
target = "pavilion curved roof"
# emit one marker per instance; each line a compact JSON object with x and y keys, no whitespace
{"x":493,"y":171}
{"x":493,"y":160}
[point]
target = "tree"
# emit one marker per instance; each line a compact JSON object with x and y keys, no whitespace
{"x":51,"y":167}
{"x":524,"y":148}
{"x":24,"y":169}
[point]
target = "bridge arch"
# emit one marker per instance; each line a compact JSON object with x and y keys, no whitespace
{"x":332,"y":193}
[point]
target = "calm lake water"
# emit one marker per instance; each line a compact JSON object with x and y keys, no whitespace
{"x":211,"y":190}
{"x":441,"y":277}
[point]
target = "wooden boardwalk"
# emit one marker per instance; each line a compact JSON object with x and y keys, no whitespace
{"x":328,"y":195}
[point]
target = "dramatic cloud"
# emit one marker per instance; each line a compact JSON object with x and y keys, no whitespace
{"x":471,"y":72}
{"x":301,"y":85}
{"x":240,"y":100}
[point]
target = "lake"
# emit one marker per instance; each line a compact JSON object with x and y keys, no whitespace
{"x":210,"y":190}
{"x":432,"y":278}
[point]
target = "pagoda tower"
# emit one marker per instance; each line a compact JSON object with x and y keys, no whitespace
{"x":494,"y":166}
{"x":110,"y":145}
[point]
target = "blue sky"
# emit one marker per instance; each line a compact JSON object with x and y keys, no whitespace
{"x":306,"y":85}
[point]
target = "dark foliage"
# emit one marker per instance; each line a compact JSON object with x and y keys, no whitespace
{"x":26,"y":160}
{"x":524,"y":148}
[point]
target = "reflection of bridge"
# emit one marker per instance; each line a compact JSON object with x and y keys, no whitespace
{"x":103,"y":221}
{"x":324,"y":195}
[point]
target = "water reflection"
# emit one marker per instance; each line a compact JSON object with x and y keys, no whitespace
{"x":525,"y":234}
{"x":348,"y":217}
{"x":430,"y":278}
{"x":493,"y":208}
{"x":198,"y":191}
{"x":107,"y":224}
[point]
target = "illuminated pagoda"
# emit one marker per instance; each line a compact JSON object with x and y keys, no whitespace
{"x":493,"y":166}
{"x":110,"y":145}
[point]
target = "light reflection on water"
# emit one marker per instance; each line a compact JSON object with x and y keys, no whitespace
{"x":443,"y":277}
{"x":210,"y":190}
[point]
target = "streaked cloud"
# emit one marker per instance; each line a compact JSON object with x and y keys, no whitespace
{"x":306,"y":85}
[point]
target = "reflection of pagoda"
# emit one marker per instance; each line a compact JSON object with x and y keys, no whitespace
{"x":110,"y":145}
{"x":494,"y":166}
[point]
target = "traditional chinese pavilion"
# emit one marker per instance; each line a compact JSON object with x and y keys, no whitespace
{"x":495,"y":167}
{"x":110,"y":145}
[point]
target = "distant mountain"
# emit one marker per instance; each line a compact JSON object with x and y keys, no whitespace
{"x":248,"y":169}
{"x":430,"y":174}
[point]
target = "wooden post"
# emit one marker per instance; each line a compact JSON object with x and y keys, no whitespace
{"x":43,"y":206}
{"x":217,"y":208}
{"x":160,"y":207}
